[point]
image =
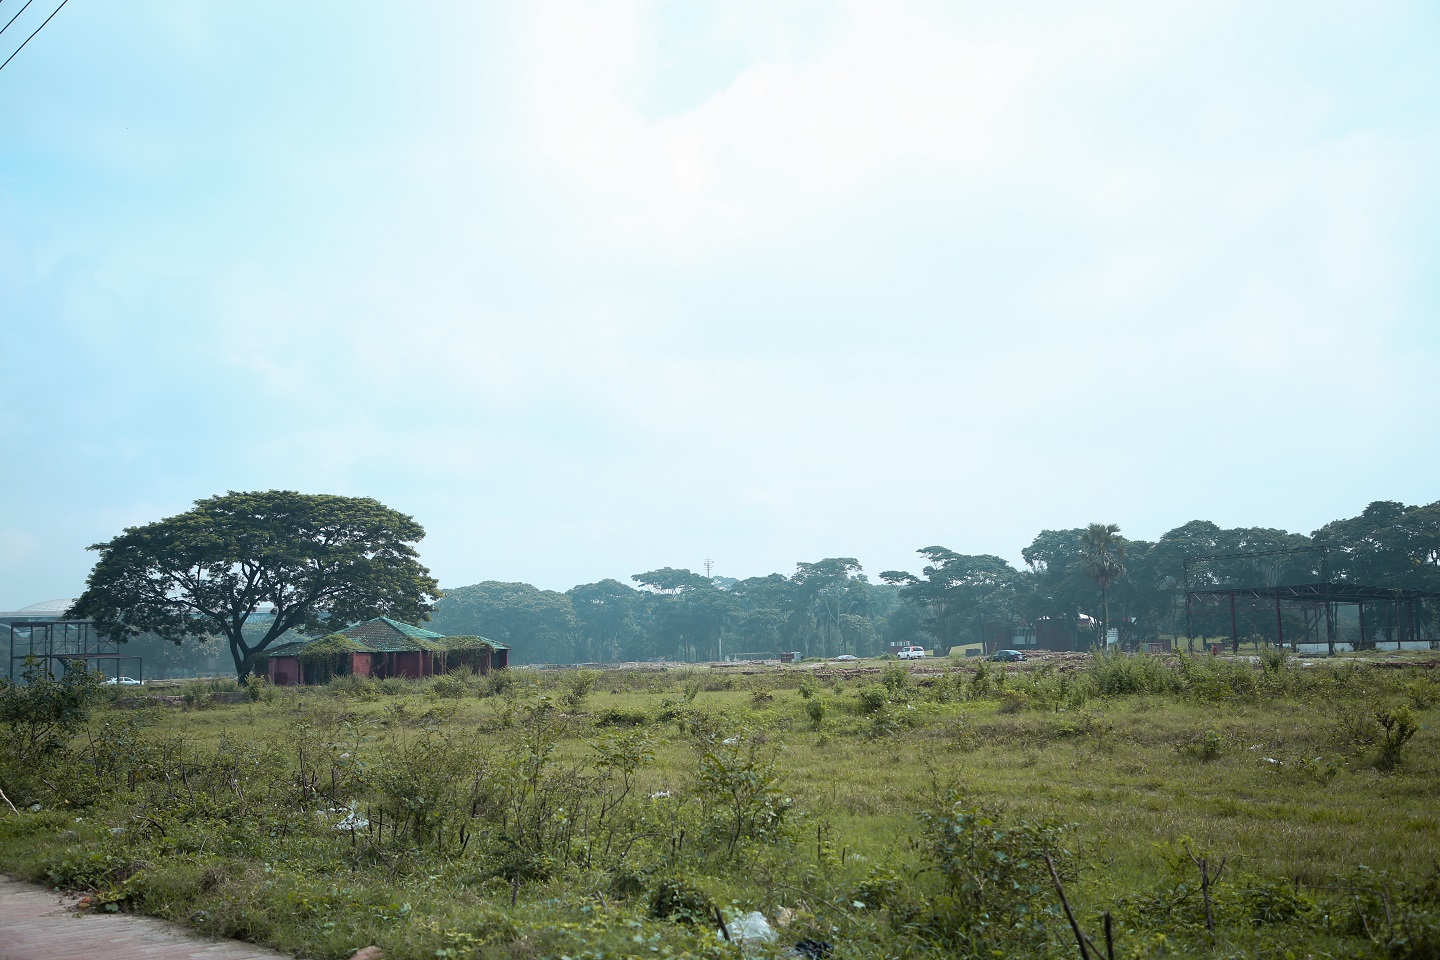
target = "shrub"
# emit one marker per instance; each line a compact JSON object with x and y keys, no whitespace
{"x":353,"y":685}
{"x":896,"y":679}
{"x":1206,"y":746}
{"x":1399,"y":725}
{"x":496,"y":682}
{"x":872,"y":698}
{"x":739,"y":793}
{"x":447,"y":686}
{"x":985,"y":681}
{"x":883,"y":724}
{"x":578,"y":686}
{"x":621,"y":718}
{"x":1263,"y":902}
{"x":1214,"y":680}
{"x":1123,"y":674}
{"x":997,"y":883}
{"x":42,"y":714}
{"x":881,"y":888}
{"x":1273,"y":660}
{"x":680,"y":901}
{"x":942,"y":689}
{"x":1013,"y":701}
{"x":1423,"y":693}
{"x":815,"y":710}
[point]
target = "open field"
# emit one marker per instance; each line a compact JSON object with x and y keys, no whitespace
{"x":881,"y":808}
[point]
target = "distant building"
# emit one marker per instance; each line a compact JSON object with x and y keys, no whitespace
{"x":381,"y":648}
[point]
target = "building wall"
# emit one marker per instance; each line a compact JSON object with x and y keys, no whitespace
{"x":413,"y":663}
{"x":284,"y":671}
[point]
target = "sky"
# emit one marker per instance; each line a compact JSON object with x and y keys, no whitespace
{"x":594,"y":288}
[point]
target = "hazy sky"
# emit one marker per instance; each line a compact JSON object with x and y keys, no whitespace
{"x":593,"y":288}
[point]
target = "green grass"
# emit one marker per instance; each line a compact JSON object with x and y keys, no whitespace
{"x":226,"y":812}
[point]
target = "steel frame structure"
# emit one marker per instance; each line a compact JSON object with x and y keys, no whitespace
{"x":1328,"y":595}
{"x":59,"y":641}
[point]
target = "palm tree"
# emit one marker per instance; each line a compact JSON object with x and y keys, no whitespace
{"x":1103,"y":550}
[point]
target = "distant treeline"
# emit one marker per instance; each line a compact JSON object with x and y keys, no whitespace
{"x":830,"y":606}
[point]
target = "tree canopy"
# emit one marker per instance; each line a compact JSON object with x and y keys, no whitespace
{"x":317,"y":559}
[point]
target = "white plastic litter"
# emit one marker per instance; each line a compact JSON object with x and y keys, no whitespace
{"x":751,"y":928}
{"x":352,"y":821}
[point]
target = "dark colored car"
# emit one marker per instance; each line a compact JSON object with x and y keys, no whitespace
{"x":1008,"y":656}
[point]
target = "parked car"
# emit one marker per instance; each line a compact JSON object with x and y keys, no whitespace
{"x":1008,"y":656}
{"x":911,"y":653}
{"x":123,"y":681}
{"x":847,"y":657}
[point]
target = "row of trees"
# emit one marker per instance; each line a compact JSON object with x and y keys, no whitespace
{"x":311,"y":561}
{"x":1077,"y":582}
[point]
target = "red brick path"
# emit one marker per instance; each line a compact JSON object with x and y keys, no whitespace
{"x":37,"y":924}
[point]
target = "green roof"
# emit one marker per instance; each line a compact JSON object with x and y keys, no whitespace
{"x":383,"y":628}
{"x":381,"y":635}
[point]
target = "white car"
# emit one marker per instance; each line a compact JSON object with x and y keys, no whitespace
{"x":911,"y":653}
{"x":847,"y":657}
{"x":123,"y":682}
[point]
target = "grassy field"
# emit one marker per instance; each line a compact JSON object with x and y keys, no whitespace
{"x":880,"y":810}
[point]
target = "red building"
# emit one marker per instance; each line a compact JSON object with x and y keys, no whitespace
{"x":381,"y":648}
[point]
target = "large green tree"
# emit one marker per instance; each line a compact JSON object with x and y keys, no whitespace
{"x":318,"y":560}
{"x":608,"y":616}
{"x":954,"y":588}
{"x":825,"y":591}
{"x":690,"y":613}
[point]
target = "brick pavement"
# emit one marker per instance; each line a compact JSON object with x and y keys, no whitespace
{"x":38,"y":924}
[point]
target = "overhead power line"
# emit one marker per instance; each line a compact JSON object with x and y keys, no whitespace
{"x":32,"y":36}
{"x":17,"y":16}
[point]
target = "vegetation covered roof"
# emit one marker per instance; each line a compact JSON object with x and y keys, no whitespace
{"x":381,"y":635}
{"x":471,"y":643}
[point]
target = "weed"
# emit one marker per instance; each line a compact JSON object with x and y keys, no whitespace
{"x":1423,"y":693}
{"x":1013,"y":701}
{"x":681,"y":901}
{"x":1122,"y":674}
{"x":1205,"y":747}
